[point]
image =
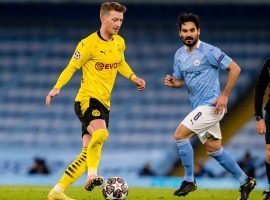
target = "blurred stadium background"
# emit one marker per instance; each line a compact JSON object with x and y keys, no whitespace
{"x":37,"y":39}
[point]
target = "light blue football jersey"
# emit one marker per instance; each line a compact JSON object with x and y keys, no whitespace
{"x":200,"y":71}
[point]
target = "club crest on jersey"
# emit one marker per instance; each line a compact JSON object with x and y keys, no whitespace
{"x":77,"y":55}
{"x":95,"y":113}
{"x":197,"y":62}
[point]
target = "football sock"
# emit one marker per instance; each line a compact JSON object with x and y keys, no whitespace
{"x":94,"y":150}
{"x":73,"y":171}
{"x":228,"y":162}
{"x":268,"y":172}
{"x":186,"y":155}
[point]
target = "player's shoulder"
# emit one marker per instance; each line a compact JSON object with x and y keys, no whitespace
{"x":207,"y":47}
{"x":180,"y":51}
{"x":119,"y":38}
{"x":90,"y":39}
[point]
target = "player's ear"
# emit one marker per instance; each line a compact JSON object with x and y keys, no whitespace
{"x":102,"y":19}
{"x":199,"y":31}
{"x":180,"y":33}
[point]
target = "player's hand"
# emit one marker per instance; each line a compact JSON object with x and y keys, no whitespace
{"x":169,"y":81}
{"x":221,"y":104}
{"x":260,"y":127}
{"x":52,"y":93}
{"x":140,"y":83}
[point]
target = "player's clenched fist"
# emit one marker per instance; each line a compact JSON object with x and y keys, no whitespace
{"x":168,"y":81}
{"x":51,"y":94}
{"x":173,"y":82}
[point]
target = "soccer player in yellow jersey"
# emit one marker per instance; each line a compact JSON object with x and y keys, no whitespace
{"x":101,"y":57}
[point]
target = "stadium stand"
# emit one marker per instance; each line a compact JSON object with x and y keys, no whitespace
{"x":141,"y":124}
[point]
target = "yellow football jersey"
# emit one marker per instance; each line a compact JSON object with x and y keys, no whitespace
{"x":100,"y":61}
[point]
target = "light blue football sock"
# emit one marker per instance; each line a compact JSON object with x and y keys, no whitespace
{"x":186,"y":155}
{"x":228,"y":162}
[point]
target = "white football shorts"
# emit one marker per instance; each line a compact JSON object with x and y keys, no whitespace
{"x":204,"y":122}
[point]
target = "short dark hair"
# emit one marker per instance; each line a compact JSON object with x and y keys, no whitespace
{"x":109,"y":6}
{"x":188,"y":17}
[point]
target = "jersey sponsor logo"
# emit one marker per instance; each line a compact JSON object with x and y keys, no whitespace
{"x":101,"y":66}
{"x":221,"y":57}
{"x":95,"y":113}
{"x":191,"y":74}
{"x":197,"y":62}
{"x":77,"y":55}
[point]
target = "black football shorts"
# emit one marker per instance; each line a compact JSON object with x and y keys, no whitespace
{"x":96,"y":110}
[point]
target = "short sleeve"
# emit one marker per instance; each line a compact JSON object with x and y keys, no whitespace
{"x":219,"y":58}
{"x":176,"y":68}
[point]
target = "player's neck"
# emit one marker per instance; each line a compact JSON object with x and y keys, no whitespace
{"x":105,"y":35}
{"x":190,"y":49}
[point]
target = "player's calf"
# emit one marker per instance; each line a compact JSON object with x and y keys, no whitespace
{"x":185,"y":188}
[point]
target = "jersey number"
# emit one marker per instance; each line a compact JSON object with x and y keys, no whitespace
{"x":196,"y":117}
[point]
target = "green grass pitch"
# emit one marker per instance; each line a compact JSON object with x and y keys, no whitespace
{"x":78,"y":193}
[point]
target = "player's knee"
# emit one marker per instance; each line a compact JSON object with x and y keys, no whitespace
{"x":180,"y":136}
{"x":182,"y":133}
{"x":100,"y":136}
{"x":90,"y":129}
{"x":210,"y":147}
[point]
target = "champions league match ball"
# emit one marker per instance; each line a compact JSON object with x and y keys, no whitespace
{"x":115,"y":188}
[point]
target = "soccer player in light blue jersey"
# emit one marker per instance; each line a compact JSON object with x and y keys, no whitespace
{"x":197,"y":64}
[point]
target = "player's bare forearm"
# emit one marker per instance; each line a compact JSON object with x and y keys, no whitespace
{"x":171,"y":81}
{"x":52,"y":93}
{"x":234,"y":71}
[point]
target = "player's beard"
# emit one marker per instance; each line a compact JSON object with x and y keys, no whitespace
{"x":190,"y":44}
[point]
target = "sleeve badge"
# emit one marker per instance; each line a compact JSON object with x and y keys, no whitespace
{"x":77,"y":55}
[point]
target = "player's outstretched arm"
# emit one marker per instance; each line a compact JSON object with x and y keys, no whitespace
{"x":52,"y":93}
{"x":140,"y":83}
{"x":171,"y":81}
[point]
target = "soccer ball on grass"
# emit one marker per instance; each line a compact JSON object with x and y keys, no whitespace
{"x":115,"y":188}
